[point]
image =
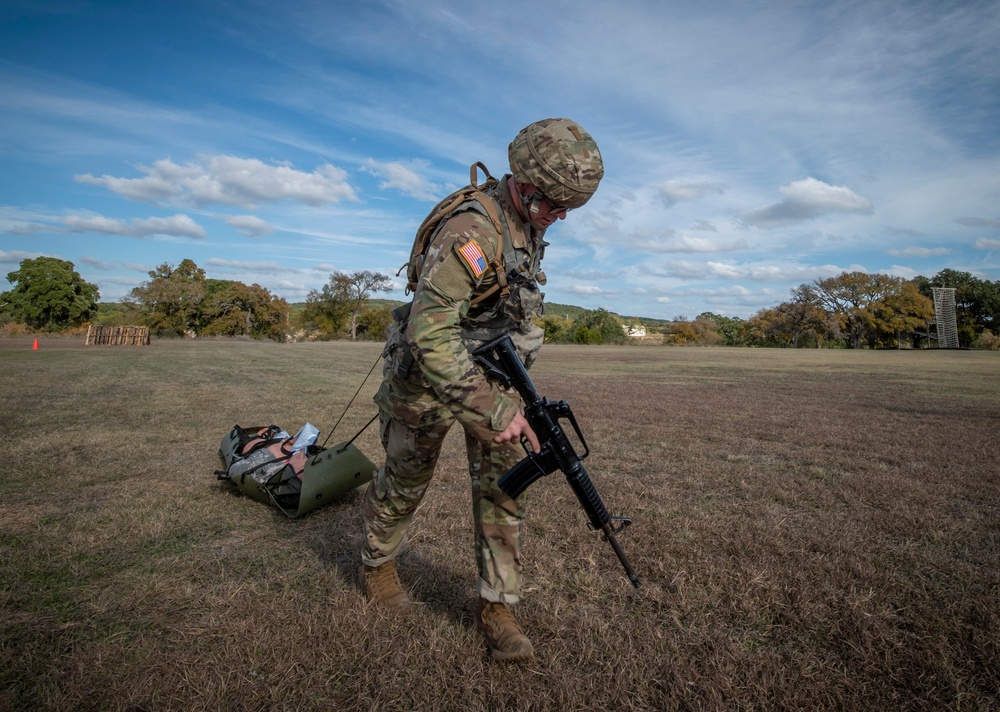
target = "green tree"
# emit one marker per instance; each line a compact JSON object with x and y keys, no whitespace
{"x":730,"y":328}
{"x":340,"y":303}
{"x":117,"y":314}
{"x":598,"y":327}
{"x":870,"y":309}
{"x":239,"y":310}
{"x":373,"y":322}
{"x":988,"y":341}
{"x":558,"y":329}
{"x":703,"y":331}
{"x":765,"y":328}
{"x":902,"y":311}
{"x":171,"y":299}
{"x":799,"y":319}
{"x":49,"y":294}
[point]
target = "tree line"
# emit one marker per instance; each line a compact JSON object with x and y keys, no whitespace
{"x":48,"y":294}
{"x":857,"y":310}
{"x":851,"y":310}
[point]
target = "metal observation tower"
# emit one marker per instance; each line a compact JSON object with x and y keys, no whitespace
{"x":944,"y":317}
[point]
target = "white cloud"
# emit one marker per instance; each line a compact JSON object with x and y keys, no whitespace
{"x":676,"y":242}
{"x":807,"y":199}
{"x":229,"y":180}
{"x":590,"y":274}
{"x":404,"y":179}
{"x":586,"y":289}
{"x":724,"y":271}
{"x":986,"y":244}
{"x":179,"y":225}
{"x":901,"y":271}
{"x":606,"y":231}
{"x":756,"y":272}
{"x":250,"y":225}
{"x":676,"y":191}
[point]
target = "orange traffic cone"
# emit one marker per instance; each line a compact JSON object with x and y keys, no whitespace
{"x":34,"y":346}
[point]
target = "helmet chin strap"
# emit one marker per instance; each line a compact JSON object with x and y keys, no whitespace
{"x":531,"y":204}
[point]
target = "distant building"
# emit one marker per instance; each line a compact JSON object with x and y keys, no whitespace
{"x":634,"y":331}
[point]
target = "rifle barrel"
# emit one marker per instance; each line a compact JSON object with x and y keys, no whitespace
{"x":609,"y":534}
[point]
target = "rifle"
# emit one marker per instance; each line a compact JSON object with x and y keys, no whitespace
{"x":501,"y":363}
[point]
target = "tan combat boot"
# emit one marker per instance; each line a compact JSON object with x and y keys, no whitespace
{"x":503,"y":634}
{"x":382,"y":587}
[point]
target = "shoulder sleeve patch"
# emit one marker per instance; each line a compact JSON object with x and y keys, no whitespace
{"x":473,"y":257}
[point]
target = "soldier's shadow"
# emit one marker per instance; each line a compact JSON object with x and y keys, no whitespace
{"x":437,"y":586}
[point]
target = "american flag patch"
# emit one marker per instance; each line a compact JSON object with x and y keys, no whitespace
{"x":473,"y":257}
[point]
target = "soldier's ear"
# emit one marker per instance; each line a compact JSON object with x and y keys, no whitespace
{"x":525,"y":188}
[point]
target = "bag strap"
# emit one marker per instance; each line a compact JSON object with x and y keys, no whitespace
{"x":491,"y":212}
{"x":428,"y":228}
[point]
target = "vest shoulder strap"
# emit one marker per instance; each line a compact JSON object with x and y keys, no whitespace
{"x":429,"y":227}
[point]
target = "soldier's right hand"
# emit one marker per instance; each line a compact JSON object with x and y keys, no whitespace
{"x":516,"y":430}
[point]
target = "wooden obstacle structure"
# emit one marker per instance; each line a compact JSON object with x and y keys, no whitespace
{"x":117,"y":336}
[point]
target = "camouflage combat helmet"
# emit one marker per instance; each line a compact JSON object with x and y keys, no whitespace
{"x":559,"y":158}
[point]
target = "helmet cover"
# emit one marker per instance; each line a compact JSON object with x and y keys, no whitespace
{"x":559,"y":158}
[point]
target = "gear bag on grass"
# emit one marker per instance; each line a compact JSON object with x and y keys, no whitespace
{"x":264,"y":463}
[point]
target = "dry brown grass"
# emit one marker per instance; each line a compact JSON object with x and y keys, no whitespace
{"x":814,"y":530}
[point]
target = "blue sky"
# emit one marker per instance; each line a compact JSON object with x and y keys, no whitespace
{"x":749,"y":147}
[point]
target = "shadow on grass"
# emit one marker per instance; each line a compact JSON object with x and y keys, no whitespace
{"x":333,"y":534}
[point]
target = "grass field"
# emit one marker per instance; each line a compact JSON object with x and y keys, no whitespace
{"x":815,"y":530}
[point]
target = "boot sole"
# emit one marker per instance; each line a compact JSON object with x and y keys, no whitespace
{"x":512,"y":656}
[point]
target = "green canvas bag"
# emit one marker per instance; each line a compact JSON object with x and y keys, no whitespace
{"x":263,"y":462}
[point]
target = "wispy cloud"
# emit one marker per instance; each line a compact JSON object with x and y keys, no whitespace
{"x":757,"y":272}
{"x":979,"y":222}
{"x":405,"y":179}
{"x":677,"y":191}
{"x":17,"y":256}
{"x":250,"y":266}
{"x":250,"y":225}
{"x":179,"y":225}
{"x":922,"y":252}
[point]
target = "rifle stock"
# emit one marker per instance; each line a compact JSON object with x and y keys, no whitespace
{"x":500,"y":360}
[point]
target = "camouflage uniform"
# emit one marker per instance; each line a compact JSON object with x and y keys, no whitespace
{"x":430,"y":381}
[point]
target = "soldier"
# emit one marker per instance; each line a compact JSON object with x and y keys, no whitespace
{"x":477,"y":278}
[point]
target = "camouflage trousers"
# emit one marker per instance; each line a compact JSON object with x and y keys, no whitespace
{"x":413,"y":427}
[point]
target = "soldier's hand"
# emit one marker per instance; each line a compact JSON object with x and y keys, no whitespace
{"x":518,"y":429}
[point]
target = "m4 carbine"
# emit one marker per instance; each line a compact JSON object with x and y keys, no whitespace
{"x":556,"y":452}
